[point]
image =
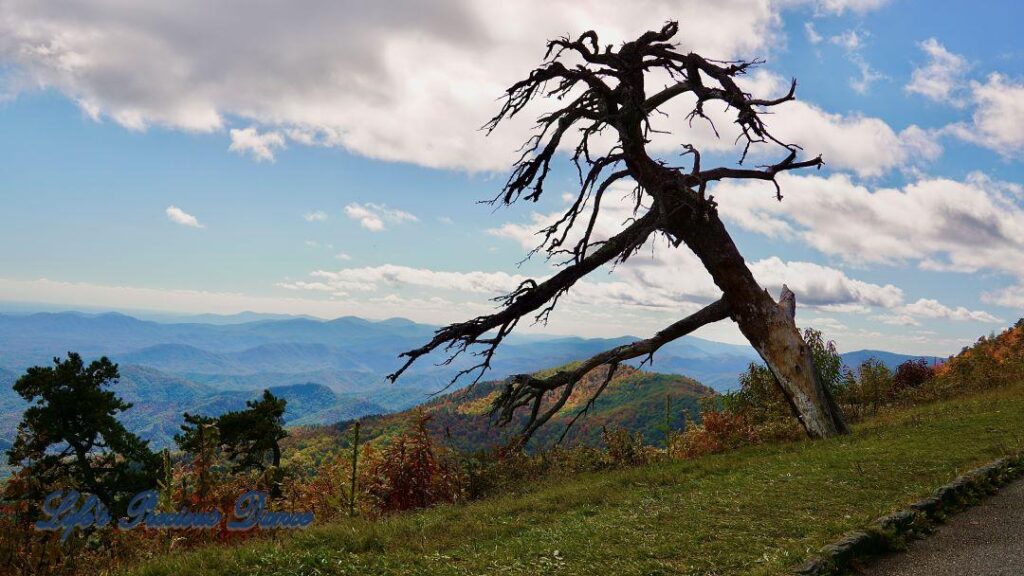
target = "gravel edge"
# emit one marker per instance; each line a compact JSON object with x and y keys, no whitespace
{"x":892,"y":532}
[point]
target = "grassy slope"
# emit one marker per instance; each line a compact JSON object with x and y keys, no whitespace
{"x":756,"y":511}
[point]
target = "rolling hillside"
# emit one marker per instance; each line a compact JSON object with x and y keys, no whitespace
{"x":158,"y":401}
{"x":634,"y":399}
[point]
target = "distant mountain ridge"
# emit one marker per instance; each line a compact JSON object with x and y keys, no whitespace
{"x":354,"y":349}
{"x":333,"y":369}
{"x":891,"y":359}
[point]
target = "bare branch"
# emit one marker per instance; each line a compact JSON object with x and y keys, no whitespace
{"x":527,"y":298}
{"x":523,"y":389}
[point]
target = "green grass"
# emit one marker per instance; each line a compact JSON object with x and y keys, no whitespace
{"x":759,"y":510}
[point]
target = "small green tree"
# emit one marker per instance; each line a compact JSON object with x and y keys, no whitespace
{"x":874,"y":383}
{"x":69,"y":437}
{"x":200,"y":438}
{"x":834,"y":375}
{"x":759,"y":398}
{"x":252,"y":435}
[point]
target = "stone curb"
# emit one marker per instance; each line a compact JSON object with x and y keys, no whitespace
{"x":891,"y":532}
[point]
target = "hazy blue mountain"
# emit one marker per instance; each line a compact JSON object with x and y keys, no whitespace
{"x":328,"y":369}
{"x":238,"y":318}
{"x":346,"y":354}
{"x":854,"y":359}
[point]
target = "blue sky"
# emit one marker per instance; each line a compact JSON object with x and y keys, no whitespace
{"x":270,"y":159}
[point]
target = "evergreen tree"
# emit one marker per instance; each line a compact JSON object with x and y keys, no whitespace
{"x":199,"y":437}
{"x":69,"y":437}
{"x":249,"y":436}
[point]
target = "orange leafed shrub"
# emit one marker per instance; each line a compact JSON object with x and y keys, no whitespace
{"x":719,"y":431}
{"x":409,"y":473}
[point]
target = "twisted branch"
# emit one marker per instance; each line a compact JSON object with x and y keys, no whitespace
{"x":524,"y":390}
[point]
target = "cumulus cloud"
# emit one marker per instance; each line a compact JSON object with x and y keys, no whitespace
{"x":1010,"y":297}
{"x":373,"y":217}
{"x":179,"y":216}
{"x":865,"y":145}
{"x":928,"y":308}
{"x":663,"y":276}
{"x":942,"y":78}
{"x":315,"y":216}
{"x":897,"y":319}
{"x":861,"y":144}
{"x":645,"y":284}
{"x":819,"y":285}
{"x":961,"y":226}
{"x":404,"y":81}
{"x":259,"y":146}
{"x":998,"y":118}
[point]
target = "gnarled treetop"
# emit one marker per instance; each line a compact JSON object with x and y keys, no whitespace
{"x":604,"y":90}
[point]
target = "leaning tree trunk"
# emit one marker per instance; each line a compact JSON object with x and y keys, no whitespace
{"x":769,"y":326}
{"x":693,"y":218}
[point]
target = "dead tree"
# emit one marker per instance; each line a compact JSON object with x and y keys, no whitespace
{"x":605,"y":91}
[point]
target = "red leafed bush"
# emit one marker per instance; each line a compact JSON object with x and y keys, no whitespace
{"x":911,"y":374}
{"x":410,"y":474}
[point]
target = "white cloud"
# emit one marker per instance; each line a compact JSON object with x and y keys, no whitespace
{"x":812,"y":34}
{"x":862,"y":144}
{"x":662,"y":276}
{"x":928,"y":308}
{"x":374,"y":216}
{"x":1010,"y":297}
{"x":868,"y":75}
{"x":819,"y":285}
{"x":179,"y":216}
{"x":912,"y":314}
{"x":826,"y":324}
{"x":852,"y":41}
{"x":849,"y":40}
{"x":260,"y":146}
{"x":998,"y":119}
{"x":897,"y":319}
{"x":839,"y":7}
{"x":403,"y":81}
{"x":958,"y":226}
{"x":315,"y":216}
{"x":942,"y":78}
{"x":343,"y":256}
{"x":918,"y":143}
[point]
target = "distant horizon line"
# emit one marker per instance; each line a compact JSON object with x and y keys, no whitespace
{"x":19,"y":308}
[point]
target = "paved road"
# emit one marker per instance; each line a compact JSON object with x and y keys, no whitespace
{"x":986,"y":540}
